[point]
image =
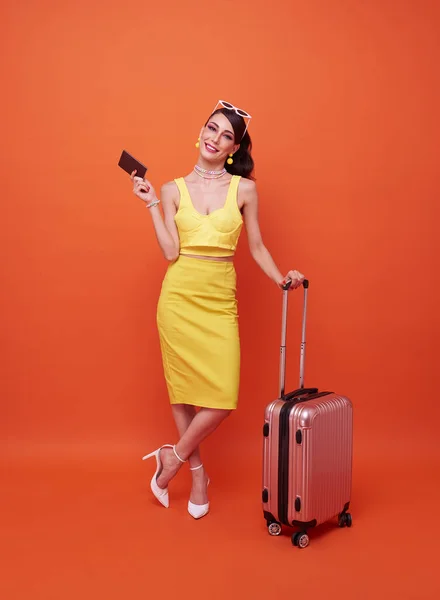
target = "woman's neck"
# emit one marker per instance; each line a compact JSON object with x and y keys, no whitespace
{"x":210,"y":165}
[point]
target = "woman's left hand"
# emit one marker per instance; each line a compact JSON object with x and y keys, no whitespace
{"x":296,"y":277}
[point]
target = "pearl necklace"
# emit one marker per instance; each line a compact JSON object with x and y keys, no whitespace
{"x":209,"y":174}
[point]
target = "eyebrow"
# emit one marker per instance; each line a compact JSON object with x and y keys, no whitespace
{"x":226,"y":130}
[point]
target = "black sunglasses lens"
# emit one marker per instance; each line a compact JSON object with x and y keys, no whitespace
{"x":227,"y":105}
{"x":242,"y":113}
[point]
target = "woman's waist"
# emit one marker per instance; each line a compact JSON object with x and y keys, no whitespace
{"x":229,"y":258}
{"x":207,"y":251}
{"x":202,"y":273}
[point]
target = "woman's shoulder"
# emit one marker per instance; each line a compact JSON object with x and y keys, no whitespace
{"x":169,"y":186}
{"x":247,"y":188}
{"x":169,"y":191}
{"x":247,"y":184}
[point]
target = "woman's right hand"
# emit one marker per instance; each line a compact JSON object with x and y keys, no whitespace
{"x":143,"y":189}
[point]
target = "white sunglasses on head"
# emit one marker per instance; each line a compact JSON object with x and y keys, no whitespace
{"x":239,"y":112}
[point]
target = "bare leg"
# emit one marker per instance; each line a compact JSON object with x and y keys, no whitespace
{"x":203,"y":424}
{"x":183,"y":415}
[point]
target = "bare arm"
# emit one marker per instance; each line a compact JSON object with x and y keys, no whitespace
{"x":165,"y":228}
{"x":258,"y":250}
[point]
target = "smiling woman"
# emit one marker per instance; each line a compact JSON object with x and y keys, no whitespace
{"x":240,"y":161}
{"x":203,"y":214}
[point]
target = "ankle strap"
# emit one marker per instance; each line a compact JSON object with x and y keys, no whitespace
{"x":196,"y":468}
{"x":177,"y":456}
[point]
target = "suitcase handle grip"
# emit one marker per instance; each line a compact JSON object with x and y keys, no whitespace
{"x":300,"y":392}
{"x":288,"y":283}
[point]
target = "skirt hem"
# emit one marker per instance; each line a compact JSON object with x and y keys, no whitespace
{"x":199,"y":405}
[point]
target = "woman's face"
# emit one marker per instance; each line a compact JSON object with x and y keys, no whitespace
{"x":217,"y":139}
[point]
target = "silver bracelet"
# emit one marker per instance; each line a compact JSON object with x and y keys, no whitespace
{"x":154,"y":203}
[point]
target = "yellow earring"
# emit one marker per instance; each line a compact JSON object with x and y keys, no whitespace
{"x":230,"y":159}
{"x":198,"y":143}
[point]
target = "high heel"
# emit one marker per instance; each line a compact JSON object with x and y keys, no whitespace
{"x":160,"y":493}
{"x":197,"y":511}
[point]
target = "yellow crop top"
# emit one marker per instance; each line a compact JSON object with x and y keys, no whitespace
{"x":215,"y":234}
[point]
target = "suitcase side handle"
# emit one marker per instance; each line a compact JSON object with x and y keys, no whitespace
{"x":286,"y":287}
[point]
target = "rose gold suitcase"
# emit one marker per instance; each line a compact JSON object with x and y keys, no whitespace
{"x":307,"y":456}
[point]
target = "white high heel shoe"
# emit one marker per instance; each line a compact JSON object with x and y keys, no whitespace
{"x":160,"y":493}
{"x":197,"y":511}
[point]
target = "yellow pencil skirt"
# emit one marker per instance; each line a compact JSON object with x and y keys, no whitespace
{"x":198,"y":330}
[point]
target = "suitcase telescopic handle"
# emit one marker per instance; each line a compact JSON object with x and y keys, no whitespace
{"x":286,"y":287}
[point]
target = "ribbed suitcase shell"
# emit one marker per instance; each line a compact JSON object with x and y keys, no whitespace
{"x":316,"y":455}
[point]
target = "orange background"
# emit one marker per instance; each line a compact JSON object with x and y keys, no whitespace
{"x":344,"y":97}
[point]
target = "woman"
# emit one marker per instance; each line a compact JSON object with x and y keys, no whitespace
{"x":197,"y":310}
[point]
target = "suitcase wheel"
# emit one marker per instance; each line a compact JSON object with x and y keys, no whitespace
{"x":345,"y":520}
{"x":300,"y":539}
{"x":274,"y":528}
